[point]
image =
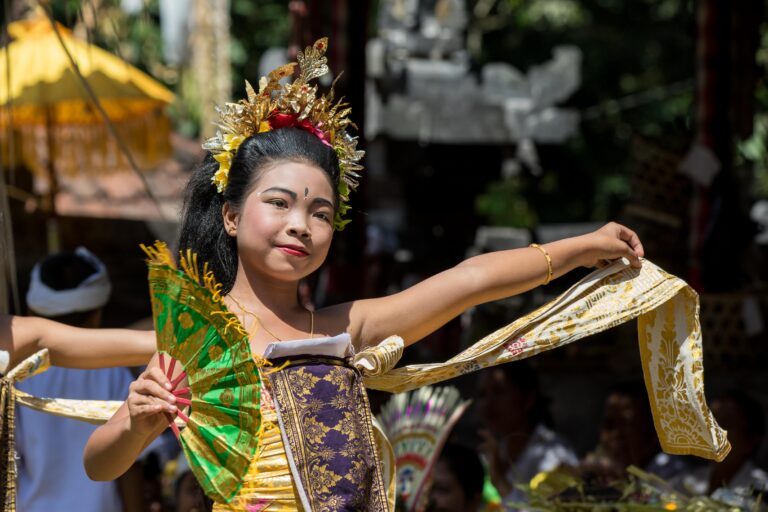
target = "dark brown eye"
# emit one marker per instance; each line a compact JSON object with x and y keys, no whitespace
{"x":324,"y":216}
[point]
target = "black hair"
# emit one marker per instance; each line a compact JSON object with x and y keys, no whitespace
{"x":753,"y":412}
{"x":65,"y":271}
{"x":465,"y":464}
{"x":635,"y":390}
{"x":525,"y":378}
{"x":202,"y":225}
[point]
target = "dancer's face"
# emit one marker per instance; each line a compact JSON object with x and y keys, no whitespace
{"x":285,"y":227}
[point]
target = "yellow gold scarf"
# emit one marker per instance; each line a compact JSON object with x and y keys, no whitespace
{"x":669,"y":338}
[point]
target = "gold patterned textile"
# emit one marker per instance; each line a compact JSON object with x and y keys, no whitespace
{"x":90,"y":411}
{"x":670,"y":343}
{"x":33,"y":365}
{"x":326,"y":424}
{"x":268,"y":484}
{"x":7,"y":441}
{"x":670,"y":348}
{"x":195,"y":329}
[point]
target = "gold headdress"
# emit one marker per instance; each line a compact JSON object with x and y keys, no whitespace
{"x":293,"y":105}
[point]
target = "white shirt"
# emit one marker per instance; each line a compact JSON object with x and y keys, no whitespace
{"x":747,"y":478}
{"x":50,"y":448}
{"x":545,"y":451}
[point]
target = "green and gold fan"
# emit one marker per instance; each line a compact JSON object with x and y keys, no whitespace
{"x":195,"y":329}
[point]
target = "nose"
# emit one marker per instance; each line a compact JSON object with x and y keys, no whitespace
{"x":298,"y":226}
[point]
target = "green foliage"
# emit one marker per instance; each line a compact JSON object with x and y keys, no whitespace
{"x":256,"y":26}
{"x":753,"y":152}
{"x":504,"y":204}
{"x":562,"y":490}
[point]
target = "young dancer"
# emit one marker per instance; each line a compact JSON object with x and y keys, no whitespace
{"x":262,"y":211}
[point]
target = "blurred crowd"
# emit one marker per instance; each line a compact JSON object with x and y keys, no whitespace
{"x":507,"y":438}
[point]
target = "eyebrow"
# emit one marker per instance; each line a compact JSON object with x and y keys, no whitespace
{"x":283,"y":190}
{"x":323,"y":201}
{"x":293,"y":195}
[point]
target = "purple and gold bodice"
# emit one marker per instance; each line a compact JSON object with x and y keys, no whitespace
{"x":318,"y":449}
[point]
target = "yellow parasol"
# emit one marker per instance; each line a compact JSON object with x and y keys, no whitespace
{"x":58,"y":127}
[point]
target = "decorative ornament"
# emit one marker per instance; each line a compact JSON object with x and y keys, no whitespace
{"x":296,"y":105}
{"x":196,"y":332}
{"x":418,"y":424}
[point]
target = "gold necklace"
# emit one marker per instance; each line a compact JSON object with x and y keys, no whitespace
{"x":258,"y":320}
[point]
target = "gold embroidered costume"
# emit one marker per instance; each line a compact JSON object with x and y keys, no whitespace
{"x":669,"y":338}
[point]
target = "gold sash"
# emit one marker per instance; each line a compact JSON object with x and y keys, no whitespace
{"x":669,"y":338}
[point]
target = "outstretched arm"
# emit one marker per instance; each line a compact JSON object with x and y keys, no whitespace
{"x":426,"y":306}
{"x":74,"y":347}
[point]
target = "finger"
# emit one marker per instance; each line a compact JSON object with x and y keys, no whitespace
{"x":157,"y":375}
{"x":151,"y":388}
{"x":138,"y":400}
{"x":632,"y":257}
{"x":631,"y":238}
{"x":146,"y":410}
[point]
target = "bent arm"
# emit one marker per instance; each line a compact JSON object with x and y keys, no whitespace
{"x":114,"y":446}
{"x":74,"y":347}
{"x":420,"y":310}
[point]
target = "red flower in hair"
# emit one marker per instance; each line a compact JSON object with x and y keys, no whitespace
{"x":277,"y":121}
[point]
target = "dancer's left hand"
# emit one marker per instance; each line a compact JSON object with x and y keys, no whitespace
{"x":611,"y":242}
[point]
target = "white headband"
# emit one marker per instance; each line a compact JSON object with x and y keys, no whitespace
{"x":91,"y":294}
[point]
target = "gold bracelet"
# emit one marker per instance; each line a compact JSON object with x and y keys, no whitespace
{"x":549,"y":262}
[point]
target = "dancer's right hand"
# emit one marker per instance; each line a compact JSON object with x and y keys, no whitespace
{"x":149,"y":397}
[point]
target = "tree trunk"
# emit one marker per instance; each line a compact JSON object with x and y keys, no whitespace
{"x":211,"y":66}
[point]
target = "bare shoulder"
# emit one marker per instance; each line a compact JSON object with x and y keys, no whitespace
{"x":333,"y":320}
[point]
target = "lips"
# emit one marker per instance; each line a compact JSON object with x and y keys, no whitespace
{"x":293,"y":250}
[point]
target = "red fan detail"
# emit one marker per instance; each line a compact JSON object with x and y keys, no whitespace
{"x":179,"y":393}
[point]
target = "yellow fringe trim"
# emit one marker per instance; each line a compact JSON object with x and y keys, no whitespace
{"x":275,"y":369}
{"x":188,"y":263}
{"x":232,"y":321}
{"x":159,"y":254}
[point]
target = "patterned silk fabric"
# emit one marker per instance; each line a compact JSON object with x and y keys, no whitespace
{"x":268,"y":484}
{"x":670,"y":343}
{"x":195,"y":328}
{"x":326,"y":423}
{"x":33,"y":365}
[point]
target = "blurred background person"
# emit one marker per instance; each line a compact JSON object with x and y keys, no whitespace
{"x":627,"y":437}
{"x":72,"y":288}
{"x":744,"y":419}
{"x":518,"y":441}
{"x":188,"y":496}
{"x":457,"y":481}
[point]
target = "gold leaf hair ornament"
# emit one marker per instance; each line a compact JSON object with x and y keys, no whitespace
{"x":296,"y":105}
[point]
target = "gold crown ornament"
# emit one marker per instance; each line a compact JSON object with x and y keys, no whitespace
{"x":298,"y":105}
